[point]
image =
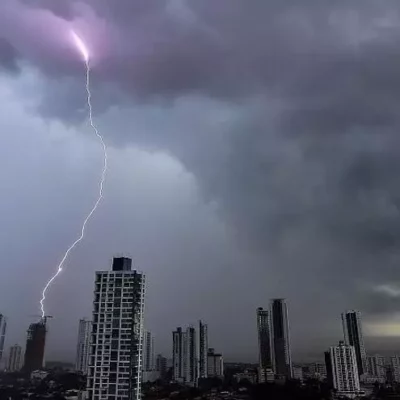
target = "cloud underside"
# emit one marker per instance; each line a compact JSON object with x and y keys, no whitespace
{"x":287,"y":115}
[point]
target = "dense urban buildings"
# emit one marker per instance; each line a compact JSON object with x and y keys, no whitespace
{"x":281,"y":338}
{"x":188,"y":358}
{"x":3,"y":329}
{"x":341,"y":365}
{"x":265,"y":355}
{"x":305,"y":371}
{"x":148,"y":351}
{"x":118,"y":354}
{"x":203,"y":350}
{"x":14,"y":358}
{"x":83,"y":346}
{"x":353,"y":336}
{"x":315,"y":370}
{"x":115,"y":363}
{"x":215,"y":364}
{"x":35,"y":345}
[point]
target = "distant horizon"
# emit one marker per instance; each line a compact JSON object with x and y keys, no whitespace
{"x":311,"y":357}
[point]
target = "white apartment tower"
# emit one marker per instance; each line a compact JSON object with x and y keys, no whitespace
{"x":203,"y":350}
{"x":3,"y":329}
{"x":342,"y":367}
{"x":115,"y":365}
{"x":148,"y":351}
{"x":353,"y":336}
{"x":14,"y":358}
{"x":83,"y":346}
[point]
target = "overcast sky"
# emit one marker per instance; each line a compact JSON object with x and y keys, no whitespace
{"x":254,"y":153}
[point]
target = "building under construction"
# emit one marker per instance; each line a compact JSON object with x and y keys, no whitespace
{"x":35,"y":343}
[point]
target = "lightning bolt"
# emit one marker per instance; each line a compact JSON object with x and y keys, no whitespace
{"x":83,"y":50}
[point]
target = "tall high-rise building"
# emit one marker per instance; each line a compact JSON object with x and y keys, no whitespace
{"x":328,"y":364}
{"x":148,"y":351}
{"x":341,"y":366}
{"x":190,"y":365}
{"x":203,"y":350}
{"x":83,"y":346}
{"x":184,"y":356}
{"x":281,"y":338}
{"x":14,"y":358}
{"x":353,"y":336}
{"x":178,"y":354}
{"x":265,"y":354}
{"x":3,"y":329}
{"x":115,"y":365}
{"x":376,"y":366}
{"x":215,"y":364}
{"x":35,"y":345}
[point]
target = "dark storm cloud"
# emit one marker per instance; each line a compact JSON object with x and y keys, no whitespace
{"x":60,"y":8}
{"x":172,"y":48}
{"x":8,"y":56}
{"x":306,"y":166}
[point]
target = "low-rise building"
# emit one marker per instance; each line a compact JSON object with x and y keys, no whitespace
{"x":215,"y":364}
{"x":265,"y":375}
{"x":298,"y":372}
{"x":246,"y":375}
{"x":38,"y":375}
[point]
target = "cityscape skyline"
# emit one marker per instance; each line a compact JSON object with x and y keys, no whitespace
{"x":351,"y":329}
{"x":314,"y":354}
{"x":115,"y":354}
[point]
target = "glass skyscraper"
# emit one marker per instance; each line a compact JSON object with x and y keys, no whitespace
{"x":353,"y":336}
